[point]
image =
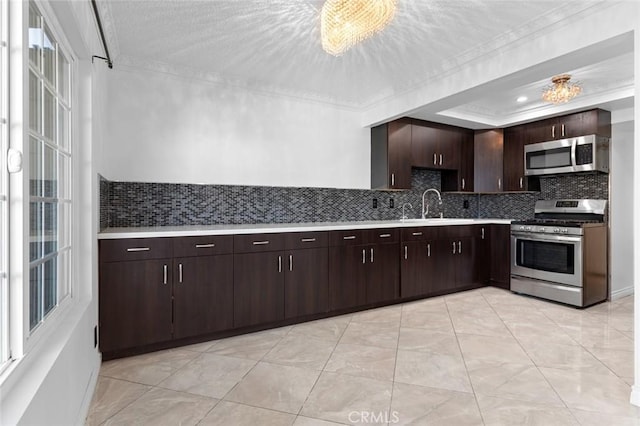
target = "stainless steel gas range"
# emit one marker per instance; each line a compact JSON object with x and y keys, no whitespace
{"x":561,"y":255}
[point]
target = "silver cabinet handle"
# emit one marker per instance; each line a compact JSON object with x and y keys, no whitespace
{"x":563,"y":130}
{"x":521,"y":182}
{"x":363,"y":256}
{"x":459,"y":247}
{"x":164,"y":273}
{"x":134,"y":249}
{"x":279,"y":263}
{"x":553,"y":131}
{"x":372,"y":255}
{"x":393,"y":179}
{"x":441,"y":159}
{"x":405,"y":253}
{"x":462,"y":183}
{"x":260,"y":243}
{"x":416,"y":234}
{"x":385,"y":235}
{"x":349,"y":237}
{"x":290,"y":262}
{"x":454,"y":247}
{"x":180,"y":272}
{"x":482,"y":232}
{"x":435,"y":158}
{"x":206,"y":245}
{"x":307,"y":240}
{"x":499,"y":183}
{"x":428,"y":250}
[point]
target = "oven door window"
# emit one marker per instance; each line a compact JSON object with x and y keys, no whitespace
{"x":547,"y":256}
{"x":549,"y":158}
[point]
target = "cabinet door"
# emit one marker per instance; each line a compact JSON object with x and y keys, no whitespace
{"x":501,"y":255}
{"x":483,"y":253}
{"x":444,"y":276}
{"x":488,"y":147}
{"x":417,"y":269}
{"x":383,"y":273}
{"x":347,"y":276}
{"x":202,"y":295}
{"x":466,"y":177}
{"x":465,"y":259}
{"x":424,"y":146}
{"x":306,"y":284}
{"x":399,"y":155}
{"x":449,"y":142}
{"x":135,"y":303}
{"x":258,"y":288}
{"x":513,"y":159}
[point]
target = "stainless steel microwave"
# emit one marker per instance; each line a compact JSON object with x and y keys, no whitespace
{"x":581,"y":154}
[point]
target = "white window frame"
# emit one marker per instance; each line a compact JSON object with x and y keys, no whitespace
{"x":22,"y":339}
{"x":5,"y":348}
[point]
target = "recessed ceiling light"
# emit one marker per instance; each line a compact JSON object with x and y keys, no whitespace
{"x":521,"y":99}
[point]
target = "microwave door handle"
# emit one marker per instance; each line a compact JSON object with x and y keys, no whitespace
{"x":573,"y":153}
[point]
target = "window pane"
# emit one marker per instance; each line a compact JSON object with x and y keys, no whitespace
{"x":35,"y":37}
{"x":63,"y":127}
{"x":64,"y":225}
{"x":63,"y":76}
{"x":49,"y":57}
{"x":50,"y":285}
{"x":35,"y":103}
{"x":35,"y":296}
{"x":64,"y":177}
{"x":64,"y":275}
{"x":50,"y":119}
{"x":50,"y":228}
{"x":50,"y":173}
{"x":36,"y":231}
{"x":35,"y":167}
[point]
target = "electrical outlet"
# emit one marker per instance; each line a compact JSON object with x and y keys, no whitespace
{"x":391,"y":203}
{"x":465,"y":204}
{"x":375,"y":203}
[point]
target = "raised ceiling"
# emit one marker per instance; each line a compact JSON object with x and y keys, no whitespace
{"x":274,"y":46}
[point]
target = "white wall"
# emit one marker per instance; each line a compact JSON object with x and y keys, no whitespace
{"x":164,"y":128}
{"x":621,"y":210}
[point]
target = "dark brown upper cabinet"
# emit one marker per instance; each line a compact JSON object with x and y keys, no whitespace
{"x":488,"y":151}
{"x":435,"y":146}
{"x":595,"y":121}
{"x":391,"y":155}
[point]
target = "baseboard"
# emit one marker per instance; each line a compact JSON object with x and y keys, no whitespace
{"x":621,"y":292}
{"x":88,"y":395}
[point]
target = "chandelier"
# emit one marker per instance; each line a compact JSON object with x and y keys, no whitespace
{"x":344,"y":23}
{"x":561,"y":91}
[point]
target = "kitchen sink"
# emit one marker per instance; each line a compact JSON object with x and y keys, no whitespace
{"x":439,"y":221}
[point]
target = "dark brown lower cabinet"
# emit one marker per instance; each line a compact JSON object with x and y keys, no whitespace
{"x":500,"y":255}
{"x":418,"y":268}
{"x":347,"y":277}
{"x":258,"y":295}
{"x":135,"y":303}
{"x":383,"y":273}
{"x":203,"y":295}
{"x":306,"y":284}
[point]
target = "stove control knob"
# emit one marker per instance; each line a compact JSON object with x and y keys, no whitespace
{"x":528,"y":228}
{"x":565,"y":231}
{"x":522,"y":228}
{"x":542,"y":229}
{"x":556,"y":230}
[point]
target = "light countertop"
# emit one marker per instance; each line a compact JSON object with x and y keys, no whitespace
{"x":197,"y":230}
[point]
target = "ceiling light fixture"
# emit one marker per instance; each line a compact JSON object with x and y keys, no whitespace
{"x":521,"y":99}
{"x":345,"y":23}
{"x":561,"y":91}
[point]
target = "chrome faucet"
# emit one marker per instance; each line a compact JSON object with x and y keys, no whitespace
{"x":426,"y":211}
{"x":403,"y":215}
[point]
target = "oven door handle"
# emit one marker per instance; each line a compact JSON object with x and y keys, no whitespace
{"x":573,"y":152}
{"x":547,"y":237}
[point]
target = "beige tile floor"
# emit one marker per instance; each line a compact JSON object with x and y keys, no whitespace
{"x":485,"y":356}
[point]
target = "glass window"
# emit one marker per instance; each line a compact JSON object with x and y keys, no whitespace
{"x":4,"y":243}
{"x":50,"y":170}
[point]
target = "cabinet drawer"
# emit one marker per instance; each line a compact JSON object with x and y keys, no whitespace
{"x":202,"y":245}
{"x":135,"y":249}
{"x":303,"y":240}
{"x":458,"y":231}
{"x":254,"y":243}
{"x":381,"y":236}
{"x":420,"y":234}
{"x":349,"y":237}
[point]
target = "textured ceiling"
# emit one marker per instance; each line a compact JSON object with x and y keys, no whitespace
{"x":275,"y":45}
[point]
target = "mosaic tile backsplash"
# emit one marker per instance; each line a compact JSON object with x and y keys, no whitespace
{"x":135,"y":204}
